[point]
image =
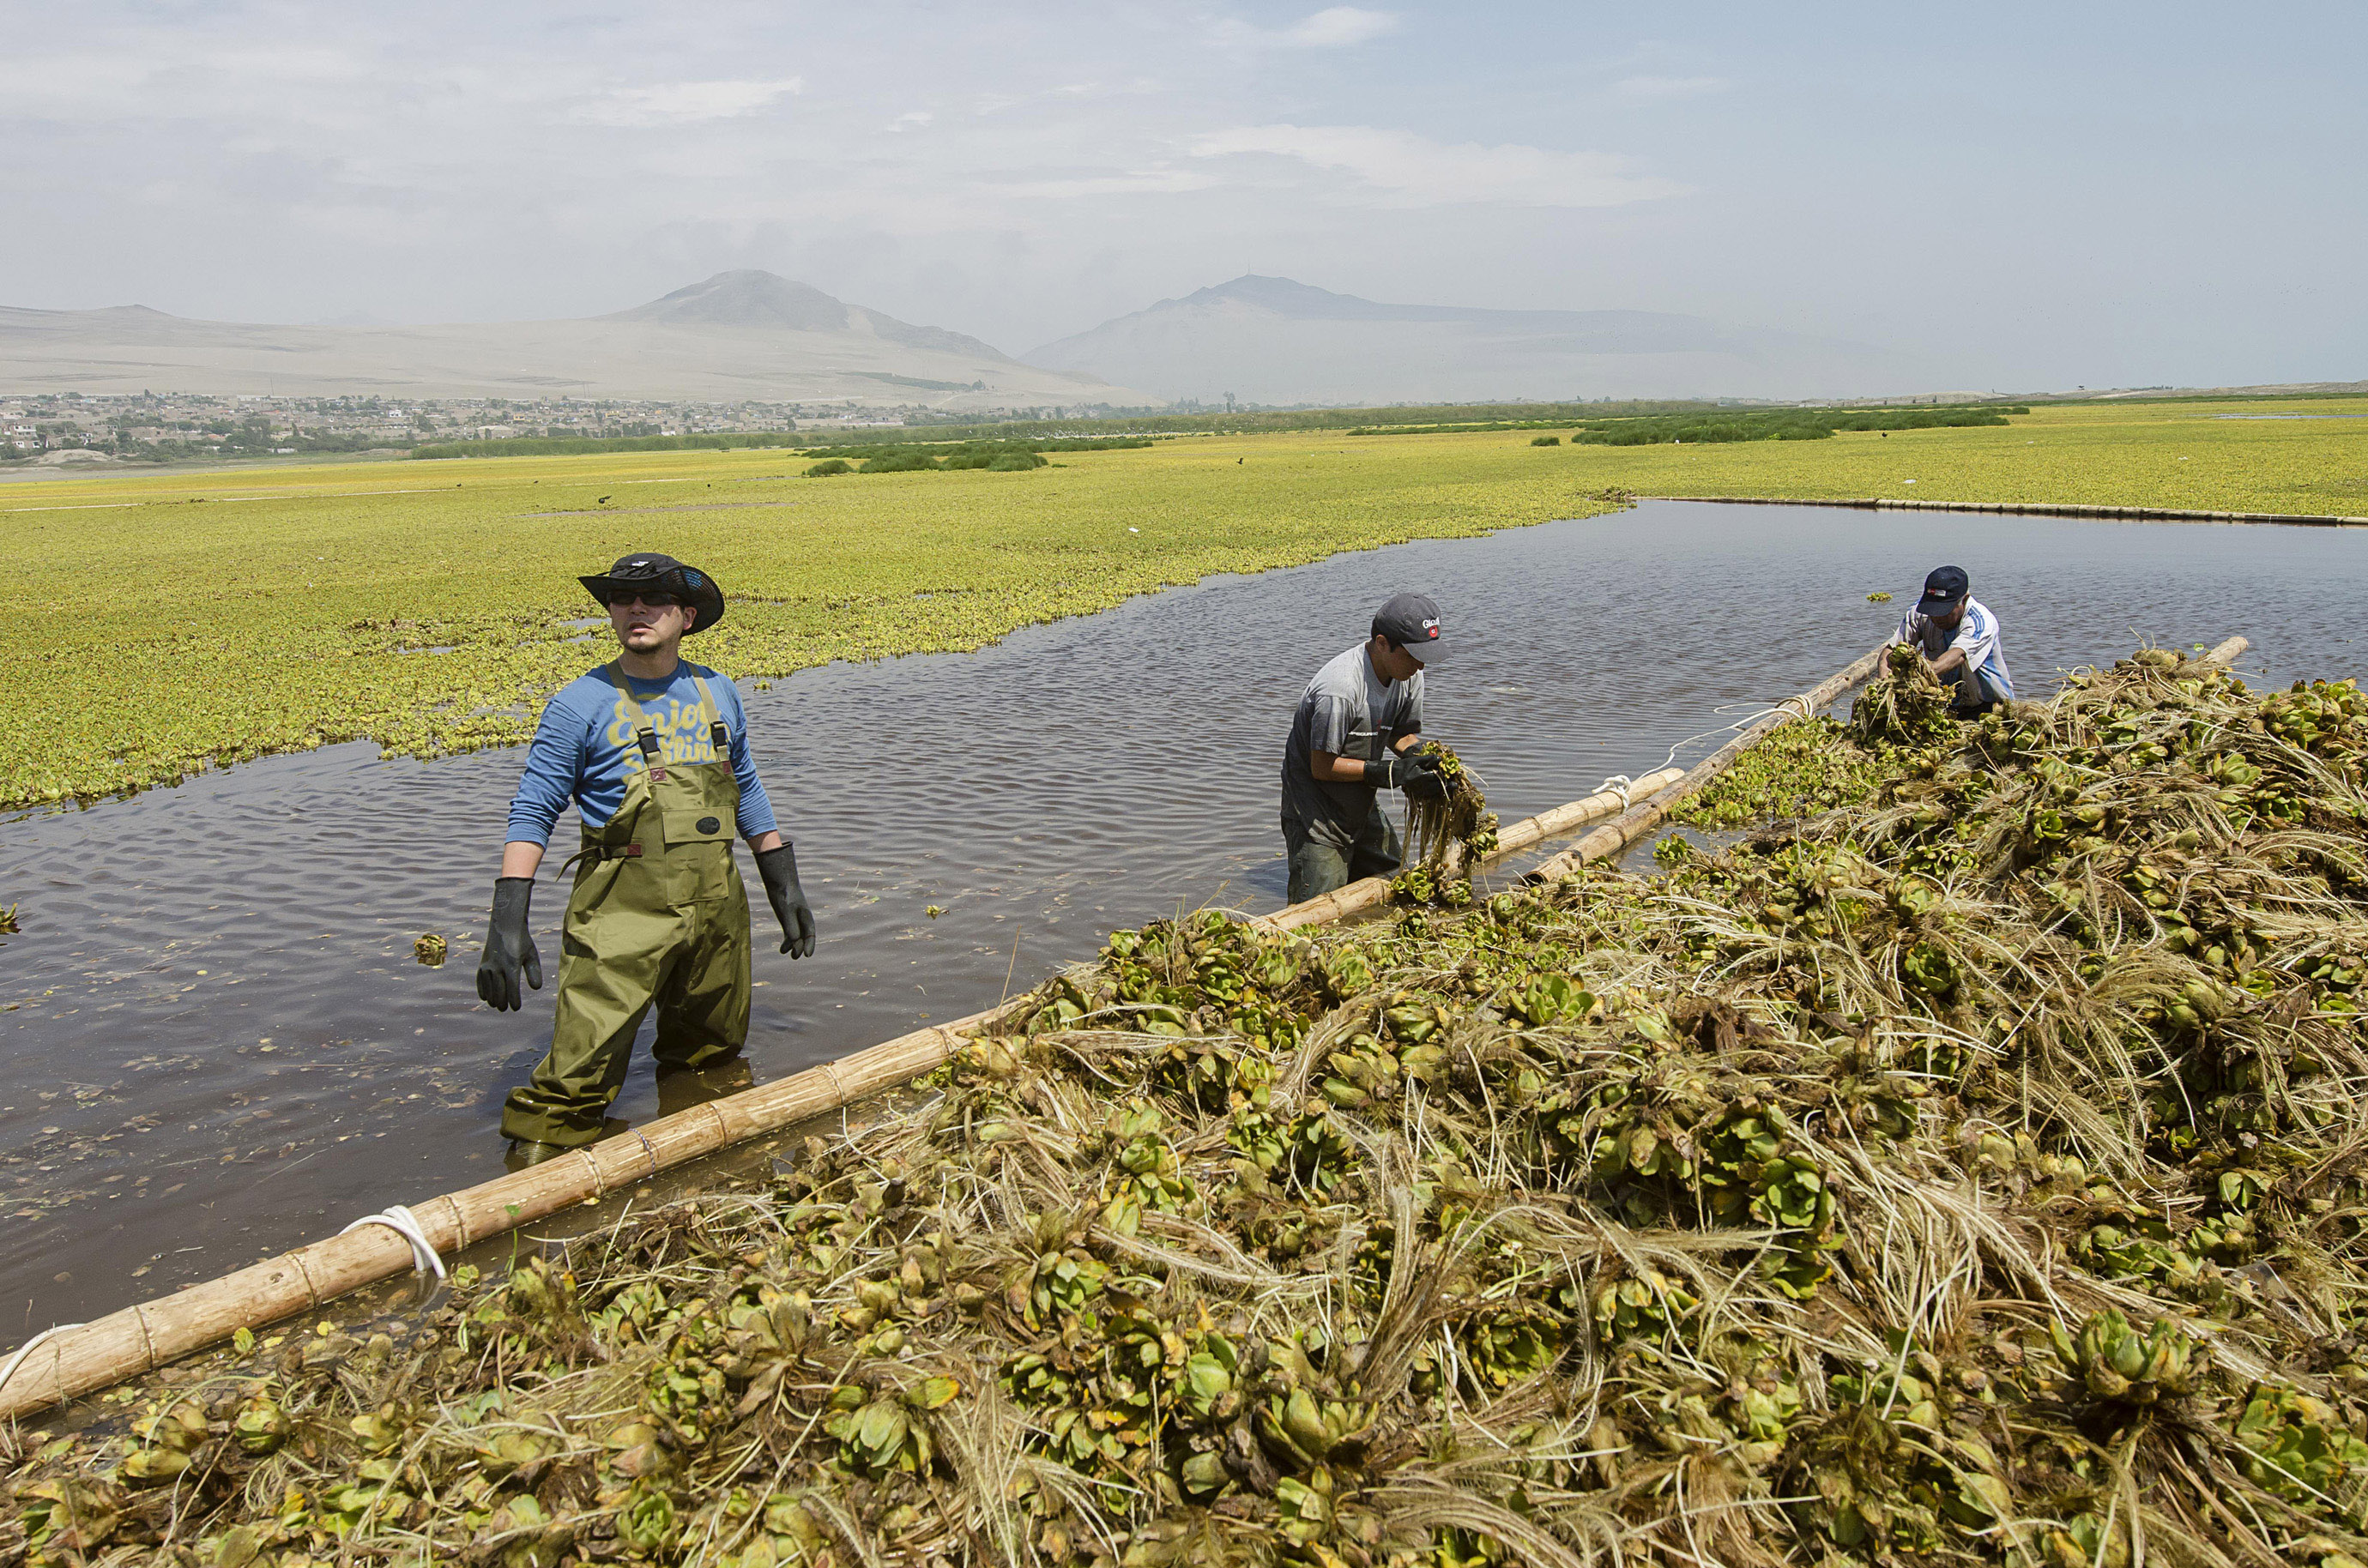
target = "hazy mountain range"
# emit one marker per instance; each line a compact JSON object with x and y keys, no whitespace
{"x":1272,"y":340}
{"x":739,"y":335}
{"x":751,"y":334}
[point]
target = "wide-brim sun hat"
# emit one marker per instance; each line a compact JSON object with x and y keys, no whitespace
{"x":647,"y":571}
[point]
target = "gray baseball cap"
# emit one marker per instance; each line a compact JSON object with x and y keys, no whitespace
{"x":1411,"y":622}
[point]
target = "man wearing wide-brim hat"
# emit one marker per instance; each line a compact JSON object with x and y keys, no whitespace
{"x":654,"y":751}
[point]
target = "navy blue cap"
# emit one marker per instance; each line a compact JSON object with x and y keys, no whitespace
{"x":1943,"y":591}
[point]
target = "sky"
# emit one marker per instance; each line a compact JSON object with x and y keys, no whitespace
{"x":2026,"y":197}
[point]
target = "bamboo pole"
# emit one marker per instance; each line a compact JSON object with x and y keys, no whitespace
{"x":138,"y":1338}
{"x":1637,"y":821}
{"x":76,"y":1358}
{"x":1370,"y":893}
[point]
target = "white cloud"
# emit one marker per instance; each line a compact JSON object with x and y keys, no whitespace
{"x":675,"y":103}
{"x":1650,"y":89}
{"x":1335,"y":27}
{"x":1135,"y":182}
{"x":1406,"y":170}
{"x":911,"y":119}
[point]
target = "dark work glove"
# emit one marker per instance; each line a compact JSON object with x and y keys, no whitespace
{"x":779,"y":866}
{"x":1398,"y":771}
{"x":508,"y":948}
{"x":1423,"y":780}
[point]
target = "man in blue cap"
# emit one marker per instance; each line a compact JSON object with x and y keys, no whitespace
{"x":1358,"y":724}
{"x":1959,"y":639}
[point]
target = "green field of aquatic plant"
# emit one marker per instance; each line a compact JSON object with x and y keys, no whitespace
{"x":187,"y":620}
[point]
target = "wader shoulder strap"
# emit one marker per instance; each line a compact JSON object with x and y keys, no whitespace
{"x":716,"y":733}
{"x":645,"y":735}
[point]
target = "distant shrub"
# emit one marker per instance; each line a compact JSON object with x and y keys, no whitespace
{"x":1779,"y":424}
{"x":898,"y":462}
{"x":1015,"y":463}
{"x":1546,"y":440}
{"x":829,"y":465}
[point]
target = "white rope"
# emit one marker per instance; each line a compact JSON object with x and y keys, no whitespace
{"x":1620,"y":784}
{"x":29,"y":1348}
{"x":404,"y":1223}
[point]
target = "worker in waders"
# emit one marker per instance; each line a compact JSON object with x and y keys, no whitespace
{"x":1958,"y":636}
{"x":1359,"y":723}
{"x":654,"y":753}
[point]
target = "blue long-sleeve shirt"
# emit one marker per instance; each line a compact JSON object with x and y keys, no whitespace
{"x":584,"y":749}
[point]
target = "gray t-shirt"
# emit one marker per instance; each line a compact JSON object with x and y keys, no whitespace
{"x":1347,"y":711}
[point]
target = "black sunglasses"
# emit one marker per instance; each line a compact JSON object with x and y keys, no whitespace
{"x":655,"y":600}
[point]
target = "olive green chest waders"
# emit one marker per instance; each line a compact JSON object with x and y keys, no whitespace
{"x":657,"y":916}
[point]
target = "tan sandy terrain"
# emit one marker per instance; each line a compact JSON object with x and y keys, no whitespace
{"x":739,"y":335}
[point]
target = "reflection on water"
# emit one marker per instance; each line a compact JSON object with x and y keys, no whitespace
{"x":220,"y":1045}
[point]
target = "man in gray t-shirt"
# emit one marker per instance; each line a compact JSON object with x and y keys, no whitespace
{"x":1357,"y":723}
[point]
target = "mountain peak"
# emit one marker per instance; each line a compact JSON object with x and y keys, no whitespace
{"x":1277,"y":340}
{"x":1284,"y":297}
{"x":746,"y":296}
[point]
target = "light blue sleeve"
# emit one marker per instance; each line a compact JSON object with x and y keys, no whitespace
{"x":1978,"y":636}
{"x":755,"y":806}
{"x":554,"y":761}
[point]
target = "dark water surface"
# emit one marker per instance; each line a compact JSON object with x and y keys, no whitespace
{"x":218,"y":1043}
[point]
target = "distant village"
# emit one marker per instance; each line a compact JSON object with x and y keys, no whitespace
{"x":64,"y":429}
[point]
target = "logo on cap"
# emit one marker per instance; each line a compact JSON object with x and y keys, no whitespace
{"x":1430,"y":628}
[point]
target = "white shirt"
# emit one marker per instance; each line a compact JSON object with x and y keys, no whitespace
{"x":1976,"y":633}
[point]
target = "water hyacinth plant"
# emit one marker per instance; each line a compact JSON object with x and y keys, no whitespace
{"x":1446,"y":835}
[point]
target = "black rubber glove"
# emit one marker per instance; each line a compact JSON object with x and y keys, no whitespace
{"x":508,"y":948}
{"x":1423,"y":780}
{"x":1400,"y":770}
{"x":779,"y":866}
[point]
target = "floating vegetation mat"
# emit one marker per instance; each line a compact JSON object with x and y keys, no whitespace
{"x":1904,"y":703}
{"x":1970,"y":1172}
{"x":1446,"y":835}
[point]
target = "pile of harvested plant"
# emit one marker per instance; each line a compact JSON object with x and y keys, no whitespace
{"x":1446,"y":835}
{"x":1972,"y":1170}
